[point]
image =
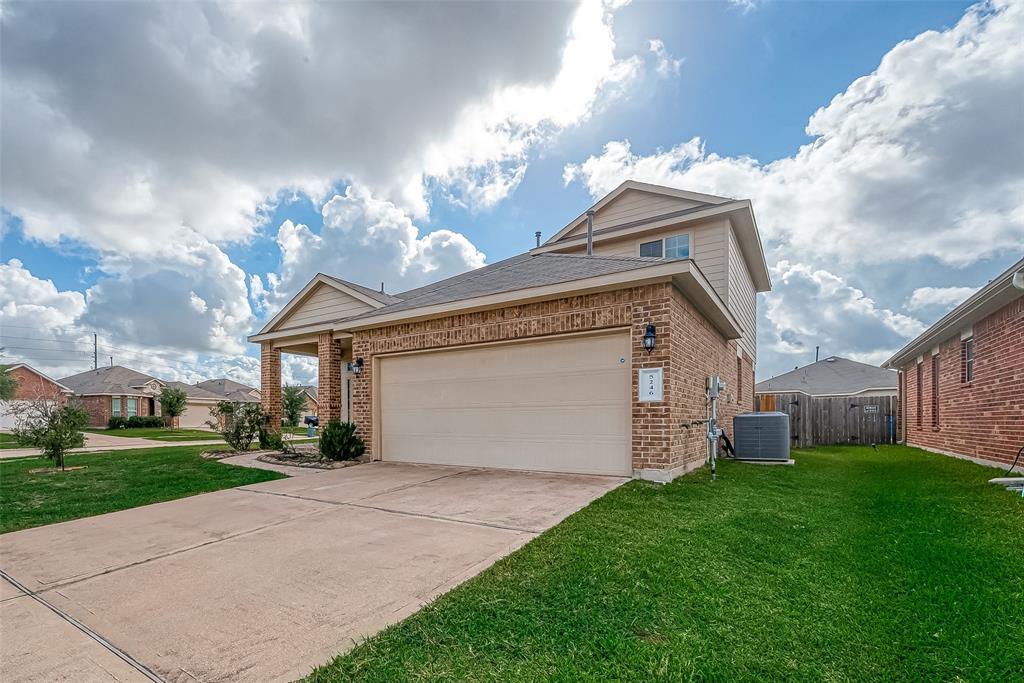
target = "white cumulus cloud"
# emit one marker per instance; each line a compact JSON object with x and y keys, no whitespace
{"x":944,"y":297}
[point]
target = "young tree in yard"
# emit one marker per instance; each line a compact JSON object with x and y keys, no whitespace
{"x":51,"y":427}
{"x":172,"y":403}
{"x":8,"y":385}
{"x":239,"y":423}
{"x":293,"y":400}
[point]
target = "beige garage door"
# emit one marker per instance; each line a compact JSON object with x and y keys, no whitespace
{"x":195,"y":416}
{"x":561,"y":405}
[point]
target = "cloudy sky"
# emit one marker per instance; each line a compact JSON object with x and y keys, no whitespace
{"x":173,"y":172}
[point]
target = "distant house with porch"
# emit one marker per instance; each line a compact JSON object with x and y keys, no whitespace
{"x":962,"y":379}
{"x":115,"y":391}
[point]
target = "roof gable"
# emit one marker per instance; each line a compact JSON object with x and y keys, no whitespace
{"x":634,"y":200}
{"x":325,"y":299}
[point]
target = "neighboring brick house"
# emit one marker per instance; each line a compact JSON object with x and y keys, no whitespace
{"x":30,"y":385}
{"x":115,"y":391}
{"x":962,"y":380}
{"x":534,"y":362}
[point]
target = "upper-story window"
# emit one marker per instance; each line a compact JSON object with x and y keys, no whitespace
{"x":651,"y":249}
{"x":677,"y":246}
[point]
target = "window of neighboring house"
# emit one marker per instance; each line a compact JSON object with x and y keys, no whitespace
{"x":651,"y":249}
{"x":935,"y":390}
{"x":133,"y":408}
{"x":677,"y":246}
{"x":920,"y":392}
{"x":967,"y":358}
{"x":115,"y":407}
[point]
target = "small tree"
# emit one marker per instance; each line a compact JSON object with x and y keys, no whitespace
{"x":8,"y":384}
{"x":239,"y":423}
{"x":172,"y":403}
{"x":338,"y":441}
{"x":51,"y":427}
{"x":293,"y":400}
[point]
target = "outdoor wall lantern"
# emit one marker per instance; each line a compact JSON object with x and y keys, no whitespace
{"x":650,"y":338}
{"x":357,"y":367}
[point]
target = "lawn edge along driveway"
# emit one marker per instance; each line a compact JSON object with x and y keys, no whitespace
{"x":111,"y":481}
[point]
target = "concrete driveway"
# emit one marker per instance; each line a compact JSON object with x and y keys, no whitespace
{"x":261,"y":582}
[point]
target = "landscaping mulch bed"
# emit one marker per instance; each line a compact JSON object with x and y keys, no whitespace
{"x":305,"y":459}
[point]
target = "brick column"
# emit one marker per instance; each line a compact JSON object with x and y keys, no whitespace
{"x":329,"y":392}
{"x":270,"y":385}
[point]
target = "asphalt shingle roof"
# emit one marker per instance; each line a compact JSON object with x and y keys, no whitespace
{"x":831,"y":376}
{"x":193,"y":391}
{"x":519,"y":272}
{"x":229,"y":389}
{"x":114,"y":379}
{"x":374,"y":294}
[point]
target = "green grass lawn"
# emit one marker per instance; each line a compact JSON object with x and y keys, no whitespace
{"x":8,"y":441}
{"x":160,"y":433}
{"x":854,"y":565}
{"x":111,"y":481}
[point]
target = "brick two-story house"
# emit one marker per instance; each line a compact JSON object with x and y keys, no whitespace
{"x":534,"y":362}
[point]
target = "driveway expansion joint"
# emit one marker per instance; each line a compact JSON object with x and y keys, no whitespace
{"x":88,"y":632}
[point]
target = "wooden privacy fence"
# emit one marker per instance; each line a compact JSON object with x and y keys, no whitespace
{"x":832,"y":420}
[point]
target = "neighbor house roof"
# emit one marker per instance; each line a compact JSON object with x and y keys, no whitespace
{"x":987,"y":300}
{"x":194,"y":392}
{"x":833,"y":376}
{"x":26,"y":366}
{"x":229,"y":389}
{"x":311,"y":391}
{"x":113,"y":380}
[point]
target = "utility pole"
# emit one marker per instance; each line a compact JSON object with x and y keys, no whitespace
{"x":95,"y":354}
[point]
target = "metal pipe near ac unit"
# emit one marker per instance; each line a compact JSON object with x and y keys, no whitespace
{"x":590,"y":232}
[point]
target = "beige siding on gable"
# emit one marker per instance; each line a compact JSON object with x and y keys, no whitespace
{"x":709,"y":247}
{"x":324,"y":305}
{"x":633,"y":205}
{"x":742,"y":299}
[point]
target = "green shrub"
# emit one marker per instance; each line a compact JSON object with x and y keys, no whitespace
{"x":238,"y":423}
{"x":138,"y":421}
{"x":270,"y":440}
{"x":338,"y":441}
{"x":117,"y":422}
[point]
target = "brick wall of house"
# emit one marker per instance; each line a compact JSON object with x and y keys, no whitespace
{"x":31,"y":386}
{"x":699,"y":350}
{"x":688,"y":349}
{"x":99,"y":409}
{"x":983,"y":418}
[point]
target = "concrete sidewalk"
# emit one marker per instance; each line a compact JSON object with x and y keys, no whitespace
{"x":102,"y":442}
{"x":262,"y":582}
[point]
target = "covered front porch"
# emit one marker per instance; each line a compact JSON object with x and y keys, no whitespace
{"x":334,"y":375}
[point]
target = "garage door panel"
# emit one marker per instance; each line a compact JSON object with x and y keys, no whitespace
{"x":558,"y":405}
